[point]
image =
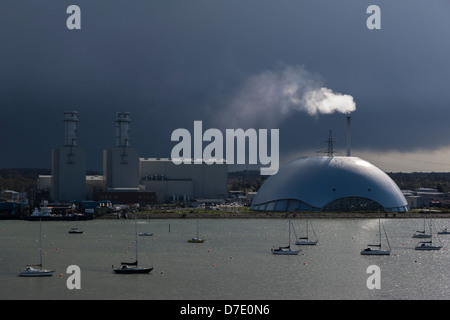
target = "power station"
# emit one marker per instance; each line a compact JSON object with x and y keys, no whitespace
{"x":320,"y":183}
{"x":127,"y":177}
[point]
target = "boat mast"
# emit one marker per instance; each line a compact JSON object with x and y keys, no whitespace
{"x":379,"y":230}
{"x":135,"y":227}
{"x":289,"y":241}
{"x":40,"y":242}
{"x":197,"y":230}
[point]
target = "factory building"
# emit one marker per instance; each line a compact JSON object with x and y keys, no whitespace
{"x":126,"y":177}
{"x":184,"y":182}
{"x":330,"y":183}
{"x":69,"y":165}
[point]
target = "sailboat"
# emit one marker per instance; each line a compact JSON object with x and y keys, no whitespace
{"x":196,"y":239}
{"x":286,"y":250}
{"x":132,"y":267}
{"x":76,"y":230}
{"x":377,"y":252}
{"x":30,"y":271}
{"x":304,"y":241}
{"x":428,"y":245}
{"x":146,"y":234}
{"x":444,"y":231}
{"x":421,"y":234}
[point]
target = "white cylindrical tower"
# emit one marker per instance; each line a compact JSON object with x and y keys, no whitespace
{"x":70,"y":120}
{"x":123,"y":129}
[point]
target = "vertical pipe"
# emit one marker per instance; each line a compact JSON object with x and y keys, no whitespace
{"x":348,"y":136}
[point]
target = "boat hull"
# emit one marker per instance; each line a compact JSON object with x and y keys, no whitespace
{"x":306,"y":243}
{"x":75,"y":231}
{"x":421,"y":236}
{"x":37,"y":273}
{"x":428,"y":248}
{"x":132,"y":270}
{"x":196,"y":240}
{"x":285,"y":252}
{"x":375,"y":252}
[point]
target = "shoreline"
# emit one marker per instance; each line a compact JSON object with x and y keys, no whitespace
{"x":276,"y":215}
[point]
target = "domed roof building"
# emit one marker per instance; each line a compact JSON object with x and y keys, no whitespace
{"x":330,"y":183}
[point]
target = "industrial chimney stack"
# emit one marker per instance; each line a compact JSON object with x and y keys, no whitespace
{"x":70,"y":120}
{"x":123,"y":129}
{"x":348,"y":136}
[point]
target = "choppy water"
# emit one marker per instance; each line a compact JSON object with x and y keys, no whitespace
{"x":234,"y":263}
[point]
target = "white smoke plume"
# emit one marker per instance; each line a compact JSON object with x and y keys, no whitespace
{"x":267,"y":98}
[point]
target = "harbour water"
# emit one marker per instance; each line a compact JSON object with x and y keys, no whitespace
{"x":235,"y":262}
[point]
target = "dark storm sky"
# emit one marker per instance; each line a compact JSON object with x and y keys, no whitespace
{"x":171,"y":62}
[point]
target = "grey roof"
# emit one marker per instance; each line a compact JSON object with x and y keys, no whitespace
{"x":319,"y":180}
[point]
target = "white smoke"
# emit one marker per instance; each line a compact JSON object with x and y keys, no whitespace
{"x":267,"y":98}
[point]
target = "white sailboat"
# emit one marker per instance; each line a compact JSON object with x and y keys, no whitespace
{"x":31,"y":270}
{"x":444,"y":231}
{"x":286,"y":250}
{"x":305,"y":241}
{"x":422,"y":234}
{"x":375,"y":249}
{"x":75,"y":230}
{"x":146,"y":234}
{"x":132,"y":267}
{"x":428,"y":245}
{"x":196,"y":239}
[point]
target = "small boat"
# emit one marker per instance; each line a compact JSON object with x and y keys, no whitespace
{"x":132,"y":267}
{"x":370,"y":251}
{"x":145,"y":234}
{"x":422,"y":234}
{"x":196,"y":239}
{"x":35,"y":272}
{"x":128,"y":268}
{"x":305,"y":241}
{"x":75,"y":231}
{"x":286,"y":250}
{"x":427,"y":245}
{"x":375,"y":252}
{"x":444,"y":231}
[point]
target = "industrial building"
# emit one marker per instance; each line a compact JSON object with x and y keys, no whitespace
{"x":330,"y":183}
{"x":184,"y":182}
{"x":69,"y":164}
{"x":126,"y":177}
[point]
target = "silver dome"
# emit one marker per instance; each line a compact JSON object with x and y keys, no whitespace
{"x":330,"y":183}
